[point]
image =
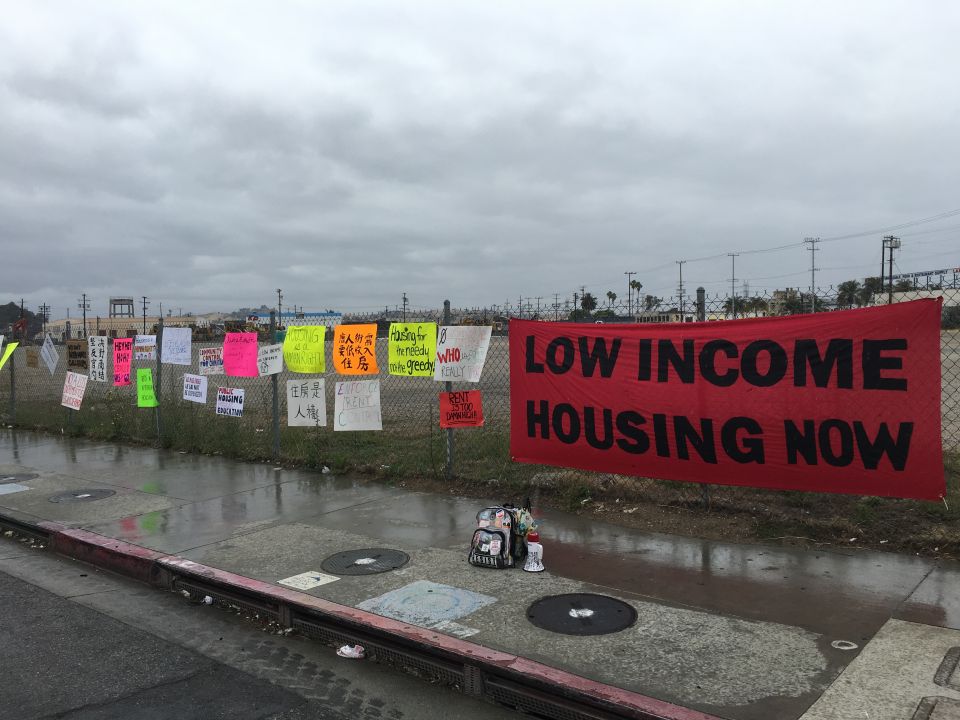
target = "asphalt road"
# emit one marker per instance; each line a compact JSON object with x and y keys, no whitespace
{"x":80,"y":644}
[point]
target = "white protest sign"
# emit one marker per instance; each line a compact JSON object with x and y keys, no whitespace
{"x":175,"y":346}
{"x":306,"y":403}
{"x":461,"y":353}
{"x":145,"y":347}
{"x":73,"y":389}
{"x":270,"y":359}
{"x":1,"y":341}
{"x":357,"y":406}
{"x":230,"y":401}
{"x":97,"y":350}
{"x":49,"y":354}
{"x":195,"y":388}
{"x":211,"y":361}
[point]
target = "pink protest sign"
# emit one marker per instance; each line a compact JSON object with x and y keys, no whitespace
{"x":240,"y":354}
{"x":122,"y":353}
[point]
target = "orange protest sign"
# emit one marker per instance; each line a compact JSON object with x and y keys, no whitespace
{"x":355,"y":349}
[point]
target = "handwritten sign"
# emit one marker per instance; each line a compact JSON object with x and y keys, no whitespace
{"x":230,"y":401}
{"x":122,"y":354}
{"x":357,"y":406}
{"x":77,"y":354}
{"x":175,"y":346}
{"x":461,"y":353}
{"x":306,"y":403}
{"x":270,"y":360}
{"x":211,"y":361}
{"x":73,"y":388}
{"x":303,"y":350}
{"x":195,"y":388}
{"x":49,"y":354}
{"x":33,"y":357}
{"x":145,"y":347}
{"x":461,"y":409}
{"x":8,"y":351}
{"x":413,"y":349}
{"x":240,"y":354}
{"x":146,"y":397}
{"x":355,"y":349}
{"x":97,"y":353}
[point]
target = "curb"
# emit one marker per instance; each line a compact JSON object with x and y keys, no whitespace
{"x":484,"y":672}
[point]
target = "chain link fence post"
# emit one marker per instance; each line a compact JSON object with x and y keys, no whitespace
{"x":448,"y":386}
{"x":276,"y":399}
{"x":159,"y":392}
{"x":702,"y":317}
{"x":13,"y":390}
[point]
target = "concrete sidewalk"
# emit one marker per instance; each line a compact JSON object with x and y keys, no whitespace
{"x":730,"y":630}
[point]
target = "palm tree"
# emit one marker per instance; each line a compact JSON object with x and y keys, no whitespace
{"x":611,"y":298}
{"x":848,"y":294}
{"x":871,"y":286}
{"x":588,"y":302}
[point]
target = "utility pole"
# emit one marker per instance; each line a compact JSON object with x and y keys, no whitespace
{"x":813,"y":271}
{"x":890,"y":243}
{"x":733,"y":280}
{"x":279,"y":309}
{"x":680,"y":290}
{"x":556,"y":306}
{"x":84,"y":305}
{"x":405,"y":307}
{"x":629,"y":293}
{"x":539,"y":298}
{"x":520,"y":306}
{"x":44,"y":316}
{"x":145,"y":303}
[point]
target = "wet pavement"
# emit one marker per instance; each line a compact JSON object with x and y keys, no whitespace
{"x":743,"y":631}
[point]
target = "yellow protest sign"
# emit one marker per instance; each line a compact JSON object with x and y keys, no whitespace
{"x":303,"y":350}
{"x":355,"y":349}
{"x":145,"y":395}
{"x":413,"y":349}
{"x":7,"y":352}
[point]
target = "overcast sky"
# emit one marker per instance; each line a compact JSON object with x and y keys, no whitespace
{"x":205,"y":154}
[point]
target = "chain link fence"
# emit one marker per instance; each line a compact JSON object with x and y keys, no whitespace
{"x":413,"y":449}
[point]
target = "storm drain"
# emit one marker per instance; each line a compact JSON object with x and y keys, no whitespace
{"x":81,"y":496}
{"x":581,"y":614}
{"x":368,"y":561}
{"x":17,"y":478}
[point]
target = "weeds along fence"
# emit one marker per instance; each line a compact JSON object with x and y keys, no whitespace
{"x":412,"y":444}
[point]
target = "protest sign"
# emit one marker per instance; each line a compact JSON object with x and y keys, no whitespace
{"x":461,"y":353}
{"x":845,"y":401}
{"x":355,"y":349}
{"x":122,"y":354}
{"x":77,"y":354}
{"x":97,"y":352}
{"x":357,"y":405}
{"x":303,"y":349}
{"x":33,"y":357}
{"x":145,"y":347}
{"x":195,"y":388}
{"x":230,"y":401}
{"x":240,"y":354}
{"x":413,"y":349}
{"x":270,"y":360}
{"x":146,"y":398}
{"x":49,"y":354}
{"x":73,"y":388}
{"x":461,"y":409}
{"x":8,"y":351}
{"x":175,"y":348}
{"x":211,"y":361}
{"x":306,"y":403}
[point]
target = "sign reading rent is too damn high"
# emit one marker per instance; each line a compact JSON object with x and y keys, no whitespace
{"x":845,"y":402}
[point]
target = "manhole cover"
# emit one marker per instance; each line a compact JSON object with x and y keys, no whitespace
{"x":16,"y":477}
{"x":365,"y":562}
{"x":581,"y":614}
{"x":81,"y":496}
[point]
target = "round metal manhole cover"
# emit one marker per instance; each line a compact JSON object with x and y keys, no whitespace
{"x":81,"y":496}
{"x":16,"y":477}
{"x":368,"y":561}
{"x":581,"y":614}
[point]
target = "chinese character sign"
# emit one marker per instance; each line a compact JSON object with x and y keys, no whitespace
{"x":175,"y":348}
{"x":355,"y":349}
{"x":211,"y":361}
{"x":49,"y":354}
{"x":303,"y":350}
{"x":77,"y":354}
{"x":230,"y":401}
{"x":73,"y":388}
{"x":306,"y":403}
{"x":97,"y":353}
{"x":146,"y":398}
{"x":357,"y":406}
{"x":270,"y":360}
{"x":122,"y":354}
{"x":195,"y":388}
{"x":461,"y":353}
{"x":240,"y":354}
{"x":145,"y":347}
{"x":413,"y":349}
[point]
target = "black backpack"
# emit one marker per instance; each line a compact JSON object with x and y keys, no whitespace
{"x":497,"y":541}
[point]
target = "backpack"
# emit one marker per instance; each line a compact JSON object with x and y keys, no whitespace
{"x":498,"y":542}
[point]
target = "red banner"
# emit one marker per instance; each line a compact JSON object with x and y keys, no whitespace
{"x":461,"y":409}
{"x":844,"y":402}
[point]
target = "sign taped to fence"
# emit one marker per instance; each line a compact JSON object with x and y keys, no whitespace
{"x":195,"y":388}
{"x":49,"y":354}
{"x":97,"y":352}
{"x":33,"y":357}
{"x":303,"y":349}
{"x":77,"y":354}
{"x":240,"y":354}
{"x":306,"y":403}
{"x":146,"y":397}
{"x":211,"y":361}
{"x":845,"y":401}
{"x":461,"y":353}
{"x":145,"y":347}
{"x":461,"y":409}
{"x":413,"y":349}
{"x":355,"y":349}
{"x":122,"y":353}
{"x":175,"y":347}
{"x":356,"y":406}
{"x":230,"y":401}
{"x":74,"y":386}
{"x":7,"y":352}
{"x":270,"y":360}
